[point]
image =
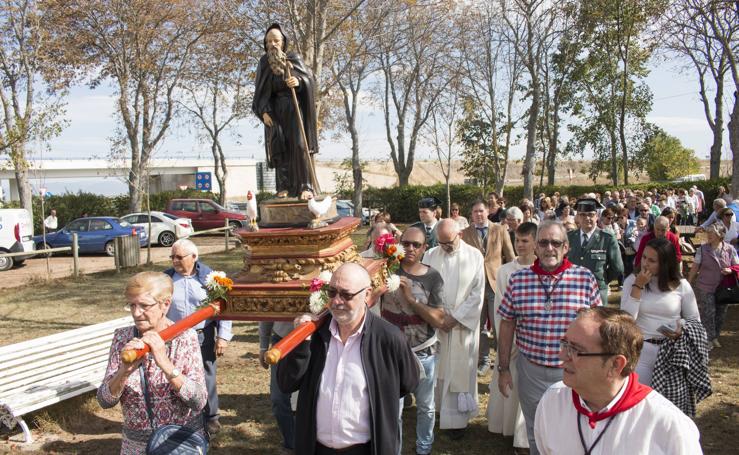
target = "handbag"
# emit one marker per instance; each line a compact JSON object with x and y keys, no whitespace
{"x":727,"y":293}
{"x":170,"y":439}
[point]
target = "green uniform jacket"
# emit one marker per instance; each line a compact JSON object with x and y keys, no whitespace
{"x":601,"y":255}
{"x":431,"y":240}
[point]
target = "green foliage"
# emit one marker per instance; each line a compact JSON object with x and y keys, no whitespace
{"x":665,"y":158}
{"x":482,"y":158}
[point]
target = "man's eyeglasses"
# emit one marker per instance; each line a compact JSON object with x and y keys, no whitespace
{"x":407,"y":244}
{"x":727,"y":215}
{"x":178,"y":257}
{"x":571,"y":352}
{"x":643,"y":210}
{"x":345,"y":295}
{"x":451,"y":242}
{"x":544,"y":243}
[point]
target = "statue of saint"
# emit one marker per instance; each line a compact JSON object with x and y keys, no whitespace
{"x":283,"y":101}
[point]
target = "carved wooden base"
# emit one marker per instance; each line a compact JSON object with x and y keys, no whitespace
{"x":293,"y":212}
{"x":279,"y":264}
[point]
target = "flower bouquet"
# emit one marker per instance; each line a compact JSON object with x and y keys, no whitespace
{"x":387,"y":247}
{"x":217,"y":286}
{"x":318,"y":297}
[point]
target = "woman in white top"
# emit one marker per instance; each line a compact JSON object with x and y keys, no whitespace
{"x":461,"y":221}
{"x":657,"y":296}
{"x":727,"y":217}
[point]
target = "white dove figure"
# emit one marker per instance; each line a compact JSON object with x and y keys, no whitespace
{"x":251,"y":211}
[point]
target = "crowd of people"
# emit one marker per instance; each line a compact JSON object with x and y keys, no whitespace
{"x":522,"y":290}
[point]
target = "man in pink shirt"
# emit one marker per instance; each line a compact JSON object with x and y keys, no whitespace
{"x":351,"y":375}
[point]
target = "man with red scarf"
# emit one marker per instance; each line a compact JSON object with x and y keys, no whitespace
{"x":600,"y":407}
{"x":538,"y":305}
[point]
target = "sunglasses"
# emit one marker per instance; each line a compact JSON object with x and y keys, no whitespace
{"x":727,"y":215}
{"x":544,"y":243}
{"x":407,"y":244}
{"x":345,"y":295}
{"x":451,"y":242}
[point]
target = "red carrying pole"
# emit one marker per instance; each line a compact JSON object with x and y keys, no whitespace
{"x":294,"y":338}
{"x":175,"y":329}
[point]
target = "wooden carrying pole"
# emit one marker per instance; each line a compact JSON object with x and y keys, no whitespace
{"x":308,"y":156}
{"x":294,"y":338}
{"x":175,"y":329}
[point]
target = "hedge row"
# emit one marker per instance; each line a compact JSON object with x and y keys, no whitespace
{"x":401,"y":202}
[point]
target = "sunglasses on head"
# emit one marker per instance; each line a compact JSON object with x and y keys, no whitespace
{"x":346,"y":296}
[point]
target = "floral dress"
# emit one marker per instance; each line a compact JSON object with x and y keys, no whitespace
{"x":181,"y":407}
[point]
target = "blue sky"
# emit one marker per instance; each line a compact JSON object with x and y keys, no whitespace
{"x":90,"y":114}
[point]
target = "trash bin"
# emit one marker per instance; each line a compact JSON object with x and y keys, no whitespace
{"x":127,"y":251}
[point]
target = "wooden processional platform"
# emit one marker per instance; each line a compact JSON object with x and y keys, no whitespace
{"x":279,"y":264}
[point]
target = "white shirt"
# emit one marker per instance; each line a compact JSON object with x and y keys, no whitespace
{"x":656,"y":308}
{"x":342,"y":408}
{"x":655,"y":426}
{"x":589,"y":234}
{"x":51,"y":222}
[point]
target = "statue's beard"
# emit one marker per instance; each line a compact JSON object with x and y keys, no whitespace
{"x":277,"y":61}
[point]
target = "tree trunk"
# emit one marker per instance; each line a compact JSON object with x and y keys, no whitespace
{"x":24,"y":187}
{"x":718,"y":130}
{"x":220,"y":168}
{"x":134,"y":190}
{"x":356,"y":168}
{"x":733,"y":127}
{"x":614,"y":159}
{"x":529,"y":159}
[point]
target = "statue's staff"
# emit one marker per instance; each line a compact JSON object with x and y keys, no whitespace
{"x":207,"y":312}
{"x":308,"y":155}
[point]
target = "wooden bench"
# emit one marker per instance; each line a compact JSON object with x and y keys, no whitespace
{"x":37,"y":373}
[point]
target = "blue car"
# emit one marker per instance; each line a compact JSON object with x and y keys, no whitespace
{"x":94,"y":235}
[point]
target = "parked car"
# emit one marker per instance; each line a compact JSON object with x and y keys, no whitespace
{"x":238,"y":207}
{"x":94,"y":235}
{"x":16,"y":236}
{"x":165,"y":228}
{"x":205,"y":214}
{"x":344,"y":208}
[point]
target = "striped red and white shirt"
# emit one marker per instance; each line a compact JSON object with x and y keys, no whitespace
{"x":543,"y":307}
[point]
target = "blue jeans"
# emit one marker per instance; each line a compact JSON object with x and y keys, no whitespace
{"x":281,"y":408}
{"x":425,"y":407}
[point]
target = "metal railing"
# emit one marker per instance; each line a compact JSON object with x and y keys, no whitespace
{"x":227,"y":233}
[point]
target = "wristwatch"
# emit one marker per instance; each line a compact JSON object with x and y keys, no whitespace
{"x":502,"y":370}
{"x":175,"y":372}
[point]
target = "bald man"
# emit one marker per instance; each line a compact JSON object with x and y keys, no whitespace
{"x":660,"y":230}
{"x":352,"y":373}
{"x":462,"y":267}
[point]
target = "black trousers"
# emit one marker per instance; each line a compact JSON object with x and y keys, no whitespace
{"x":207,"y":339}
{"x":357,"y":449}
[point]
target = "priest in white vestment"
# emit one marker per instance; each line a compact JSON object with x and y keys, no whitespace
{"x":463,"y":271}
{"x":600,"y":408}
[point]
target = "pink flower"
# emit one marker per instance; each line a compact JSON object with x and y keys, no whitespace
{"x":381,"y":241}
{"x":316,"y":284}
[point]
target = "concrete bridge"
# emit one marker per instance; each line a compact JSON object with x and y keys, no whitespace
{"x":165,"y":174}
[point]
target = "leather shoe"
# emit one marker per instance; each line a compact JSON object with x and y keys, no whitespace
{"x":456,"y":434}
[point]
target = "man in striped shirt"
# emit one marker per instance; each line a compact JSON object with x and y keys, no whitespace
{"x":538,"y":305}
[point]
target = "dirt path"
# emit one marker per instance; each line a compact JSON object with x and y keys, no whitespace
{"x":61,"y":266}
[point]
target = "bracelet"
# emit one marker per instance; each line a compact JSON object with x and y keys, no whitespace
{"x":641,"y":288}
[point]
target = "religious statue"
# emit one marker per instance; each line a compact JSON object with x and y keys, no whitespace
{"x":284,"y":102}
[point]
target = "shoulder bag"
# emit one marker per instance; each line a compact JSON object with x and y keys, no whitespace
{"x":170,"y":439}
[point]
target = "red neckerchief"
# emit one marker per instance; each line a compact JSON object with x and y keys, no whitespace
{"x":634,"y":393}
{"x":537,"y":268}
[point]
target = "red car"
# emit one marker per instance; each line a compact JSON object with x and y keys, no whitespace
{"x":205,"y":214}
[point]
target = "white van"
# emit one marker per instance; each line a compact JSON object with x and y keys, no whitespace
{"x":16,"y":235}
